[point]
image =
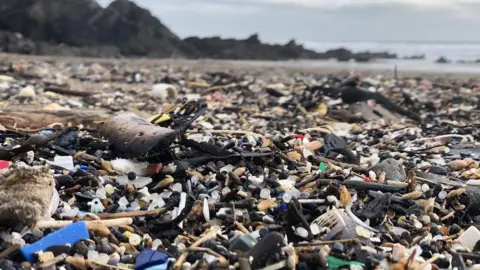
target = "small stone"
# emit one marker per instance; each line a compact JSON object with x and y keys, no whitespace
{"x":442,"y":195}
{"x":27,"y":92}
{"x":239,"y":171}
{"x":458,"y":165}
{"x":302,"y":232}
{"x":314,"y":145}
{"x":294,"y":155}
{"x":109,"y":189}
{"x":392,"y":168}
{"x":362,"y":232}
{"x":399,"y":252}
{"x":99,"y":228}
{"x":53,"y":107}
{"x":455,"y":228}
{"x":337,"y":248}
{"x":425,"y":219}
{"x":438,"y":170}
{"x":45,"y":256}
{"x":58,"y":250}
{"x":417,"y":224}
{"x":103,"y":258}
{"x":92,"y":255}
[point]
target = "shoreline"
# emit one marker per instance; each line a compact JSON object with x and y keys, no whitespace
{"x":262,"y":66}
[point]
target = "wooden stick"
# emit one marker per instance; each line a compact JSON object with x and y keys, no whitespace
{"x":342,"y":165}
{"x":222,"y":261}
{"x":9,"y":251}
{"x":54,"y":261}
{"x":319,"y":243}
{"x":67,"y":91}
{"x":212,"y":232}
{"x":57,"y":224}
{"x":130,"y":214}
{"x":241,"y":132}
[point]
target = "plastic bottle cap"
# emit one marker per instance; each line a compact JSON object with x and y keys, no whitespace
{"x":134,"y":239}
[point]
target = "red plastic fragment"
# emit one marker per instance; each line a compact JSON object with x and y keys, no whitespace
{"x":154,"y":168}
{"x":4,"y":164}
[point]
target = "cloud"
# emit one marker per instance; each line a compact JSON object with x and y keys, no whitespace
{"x":343,"y":3}
{"x":205,"y":7}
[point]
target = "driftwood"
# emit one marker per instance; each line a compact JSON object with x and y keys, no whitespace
{"x":132,"y":136}
{"x":27,"y":119}
{"x":68,"y":91}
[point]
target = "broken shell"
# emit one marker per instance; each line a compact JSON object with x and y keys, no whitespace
{"x":294,"y":155}
{"x":266,"y":204}
{"x":165,"y":182}
{"x":381,"y":177}
{"x":239,"y":171}
{"x":412,"y":195}
{"x":458,"y":165}
{"x":456,"y":192}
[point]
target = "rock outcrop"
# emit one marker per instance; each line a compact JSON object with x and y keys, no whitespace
{"x":123,"y":29}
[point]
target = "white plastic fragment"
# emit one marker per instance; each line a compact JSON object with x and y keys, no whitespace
{"x":302,"y":232}
{"x":96,"y":206}
{"x":181,"y":205}
{"x":470,"y":237}
{"x":55,"y":202}
{"x":163,"y":91}
{"x":127,"y":165}
{"x":206,"y":210}
{"x":101,"y":193}
{"x":473,"y":182}
{"x":64,"y":161}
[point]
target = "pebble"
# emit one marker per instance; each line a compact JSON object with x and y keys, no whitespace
{"x":219,"y":180}
{"x":392,"y":168}
{"x":27,"y":92}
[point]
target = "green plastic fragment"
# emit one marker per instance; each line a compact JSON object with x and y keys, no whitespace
{"x":335,"y":263}
{"x":322,"y":167}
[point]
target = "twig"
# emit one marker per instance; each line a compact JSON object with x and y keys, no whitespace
{"x":222,"y":261}
{"x":130,"y":214}
{"x":342,"y":165}
{"x":324,"y":129}
{"x":241,"y":132}
{"x":54,"y":261}
{"x":329,"y":242}
{"x":9,"y":251}
{"x":66,"y":91}
{"x":210,"y":234}
{"x":57,"y":224}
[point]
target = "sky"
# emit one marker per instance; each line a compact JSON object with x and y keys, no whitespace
{"x":310,"y":21}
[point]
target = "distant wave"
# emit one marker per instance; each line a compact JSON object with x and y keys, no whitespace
{"x":469,"y":51}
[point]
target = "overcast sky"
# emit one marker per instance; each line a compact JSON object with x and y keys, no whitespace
{"x":321,"y":20}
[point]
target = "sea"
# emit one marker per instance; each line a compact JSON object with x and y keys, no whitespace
{"x":462,"y":55}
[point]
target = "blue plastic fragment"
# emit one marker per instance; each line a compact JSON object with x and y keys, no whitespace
{"x":46,"y":132}
{"x":68,"y":235}
{"x":279,"y":208}
{"x":149,"y":258}
{"x":83,"y":167}
{"x":162,"y":266}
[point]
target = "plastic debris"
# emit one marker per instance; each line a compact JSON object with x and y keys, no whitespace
{"x":224,"y":170}
{"x":68,"y":235}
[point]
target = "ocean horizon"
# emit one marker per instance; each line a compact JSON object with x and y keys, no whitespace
{"x":432,"y":50}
